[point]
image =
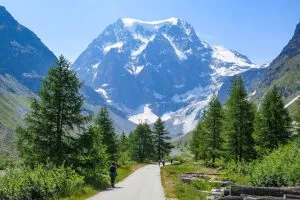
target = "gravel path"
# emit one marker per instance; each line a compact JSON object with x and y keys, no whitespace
{"x":143,"y":184}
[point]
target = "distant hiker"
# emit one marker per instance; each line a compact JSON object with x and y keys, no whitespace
{"x":159,"y":163}
{"x":171,"y":161}
{"x":113,"y":174}
{"x":163,"y":162}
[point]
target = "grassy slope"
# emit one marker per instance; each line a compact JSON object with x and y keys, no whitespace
{"x":14,"y":103}
{"x":285,"y":74}
{"x":176,"y":189}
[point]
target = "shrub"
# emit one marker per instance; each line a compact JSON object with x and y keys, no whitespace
{"x":178,"y":159}
{"x":6,"y":162}
{"x":205,"y":185}
{"x":124,"y":159}
{"x":42,"y":182}
{"x":280,"y":168}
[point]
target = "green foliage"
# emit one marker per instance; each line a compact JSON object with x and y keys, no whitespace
{"x":41,"y":182}
{"x":161,"y":139}
{"x":279,"y":168}
{"x":207,"y":140}
{"x":238,"y":124}
{"x":50,"y":126}
{"x":272,"y":123}
{"x":198,"y":144}
{"x":104,"y":127}
{"x":124,"y":159}
{"x":142,"y":143}
{"x":6,"y":162}
{"x":91,"y":159}
{"x":178,"y":160}
{"x":205,"y":185}
{"x":125,"y":154}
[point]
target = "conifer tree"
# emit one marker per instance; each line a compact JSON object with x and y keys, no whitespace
{"x":238,"y":123}
{"x":272,"y":123}
{"x":143,"y":143}
{"x":91,"y":158}
{"x":199,"y":144}
{"x":104,"y":126}
{"x":55,"y":118}
{"x":124,"y":142}
{"x":162,"y":144}
{"x":207,"y":141}
{"x":213,"y":125}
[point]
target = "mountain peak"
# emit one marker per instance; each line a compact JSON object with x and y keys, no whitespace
{"x":6,"y":17}
{"x":292,"y":48}
{"x":129,"y":22}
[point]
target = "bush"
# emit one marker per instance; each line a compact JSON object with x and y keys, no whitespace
{"x":178,"y":160}
{"x":42,"y":182}
{"x":280,"y":168}
{"x":205,"y":185}
{"x":124,"y":159}
{"x":5,"y":162}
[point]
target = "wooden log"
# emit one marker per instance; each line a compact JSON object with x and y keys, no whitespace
{"x":291,"y":196}
{"x":231,"y":198}
{"x":263,"y":198}
{"x":237,"y":190}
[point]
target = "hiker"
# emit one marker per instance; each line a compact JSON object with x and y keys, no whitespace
{"x":163,"y":162}
{"x":171,"y":161}
{"x":113,"y":174}
{"x":159,"y":163}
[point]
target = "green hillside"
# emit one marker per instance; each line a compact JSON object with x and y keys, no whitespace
{"x":14,"y":103}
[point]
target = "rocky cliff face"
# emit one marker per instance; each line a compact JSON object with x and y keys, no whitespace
{"x":22,"y":54}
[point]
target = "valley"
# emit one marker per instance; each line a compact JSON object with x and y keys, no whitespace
{"x":150,"y":106}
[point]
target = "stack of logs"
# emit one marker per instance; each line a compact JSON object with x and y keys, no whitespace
{"x":238,"y":192}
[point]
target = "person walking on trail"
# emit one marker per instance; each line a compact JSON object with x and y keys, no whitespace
{"x":163,"y":162}
{"x":113,"y":174}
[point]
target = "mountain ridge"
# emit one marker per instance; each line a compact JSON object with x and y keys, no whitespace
{"x":164,"y":63}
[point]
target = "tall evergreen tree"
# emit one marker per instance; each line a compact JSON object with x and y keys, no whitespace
{"x":272,"y":123}
{"x":207,"y":141}
{"x":124,"y":142}
{"x":162,"y":144}
{"x":213,"y":125}
{"x":143,"y":143}
{"x":91,"y":158}
{"x":55,"y":117}
{"x":238,"y":123}
{"x":199,"y":144}
{"x":104,"y":125}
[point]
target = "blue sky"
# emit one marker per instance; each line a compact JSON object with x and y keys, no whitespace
{"x":256,"y":28}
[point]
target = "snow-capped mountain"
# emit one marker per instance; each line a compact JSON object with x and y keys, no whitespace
{"x":161,"y":68}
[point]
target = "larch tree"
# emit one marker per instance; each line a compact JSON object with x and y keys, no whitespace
{"x":199,"y":143}
{"x":272,"y":123}
{"x":238,"y":123}
{"x":142,"y":144}
{"x":55,"y":120}
{"x":104,"y":126}
{"x":213,"y":125}
{"x":162,"y":139}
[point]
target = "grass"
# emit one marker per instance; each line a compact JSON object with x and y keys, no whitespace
{"x":176,"y":189}
{"x":88,"y":191}
{"x":126,"y":171}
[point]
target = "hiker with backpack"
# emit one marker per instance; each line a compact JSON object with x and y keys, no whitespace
{"x":113,"y":174}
